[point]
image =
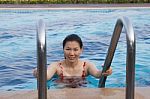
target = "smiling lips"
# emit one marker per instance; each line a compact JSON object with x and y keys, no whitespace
{"x":71,"y":58}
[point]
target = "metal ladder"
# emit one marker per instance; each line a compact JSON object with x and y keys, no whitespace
{"x":41,"y":60}
{"x":130,"y":58}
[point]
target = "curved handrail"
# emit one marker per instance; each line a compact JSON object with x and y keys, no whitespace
{"x":130,"y":58}
{"x":41,"y":60}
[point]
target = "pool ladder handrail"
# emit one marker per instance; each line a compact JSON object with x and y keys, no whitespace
{"x":41,"y":60}
{"x":130,"y":58}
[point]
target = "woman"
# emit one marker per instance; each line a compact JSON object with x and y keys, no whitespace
{"x":71,"y":70}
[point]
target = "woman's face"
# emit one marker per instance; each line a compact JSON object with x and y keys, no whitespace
{"x":72,"y":51}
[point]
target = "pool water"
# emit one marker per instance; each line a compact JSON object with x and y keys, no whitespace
{"x":95,"y":27}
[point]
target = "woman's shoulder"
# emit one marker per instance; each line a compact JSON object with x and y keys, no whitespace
{"x":87,"y":62}
{"x":55,"y":64}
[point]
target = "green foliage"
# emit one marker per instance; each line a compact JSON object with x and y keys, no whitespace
{"x":70,"y":1}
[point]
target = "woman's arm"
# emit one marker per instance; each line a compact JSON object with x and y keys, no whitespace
{"x":93,"y":70}
{"x":51,"y":70}
{"x":97,"y":73}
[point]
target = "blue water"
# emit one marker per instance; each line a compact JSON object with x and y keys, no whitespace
{"x":18,"y":43}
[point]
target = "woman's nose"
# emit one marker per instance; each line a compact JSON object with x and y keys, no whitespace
{"x":71,"y":52}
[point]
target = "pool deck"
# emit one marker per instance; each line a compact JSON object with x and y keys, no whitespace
{"x":76,"y":93}
{"x":74,"y":6}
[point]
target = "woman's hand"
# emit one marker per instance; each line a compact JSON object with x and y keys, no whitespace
{"x":108,"y":72}
{"x":35,"y":73}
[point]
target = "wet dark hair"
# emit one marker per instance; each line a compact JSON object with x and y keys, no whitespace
{"x":73,"y":37}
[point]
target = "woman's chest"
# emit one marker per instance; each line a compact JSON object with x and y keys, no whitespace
{"x":71,"y":72}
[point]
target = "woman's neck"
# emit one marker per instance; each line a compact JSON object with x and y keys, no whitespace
{"x":71,"y":64}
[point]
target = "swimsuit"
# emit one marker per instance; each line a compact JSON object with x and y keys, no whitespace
{"x":62,"y":76}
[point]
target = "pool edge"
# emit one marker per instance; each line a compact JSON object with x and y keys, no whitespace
{"x":74,"y":93}
{"x":74,"y":6}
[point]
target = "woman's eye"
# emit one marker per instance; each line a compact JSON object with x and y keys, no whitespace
{"x":67,"y":49}
{"x":75,"y":49}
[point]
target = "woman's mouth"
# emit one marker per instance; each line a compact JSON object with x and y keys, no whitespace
{"x":71,"y":58}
